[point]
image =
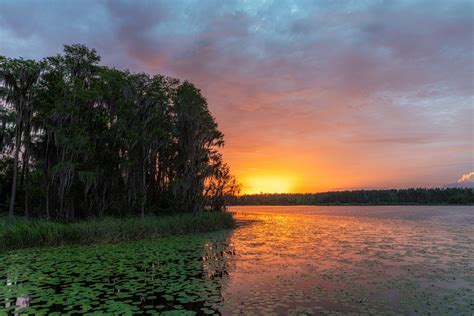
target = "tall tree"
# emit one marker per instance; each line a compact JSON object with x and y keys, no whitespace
{"x":196,"y":136}
{"x":19,"y":78}
{"x":69,"y":122}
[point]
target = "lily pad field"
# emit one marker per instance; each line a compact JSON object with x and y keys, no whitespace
{"x":391,"y":260}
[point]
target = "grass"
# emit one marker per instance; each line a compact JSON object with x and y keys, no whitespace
{"x":20,"y":233}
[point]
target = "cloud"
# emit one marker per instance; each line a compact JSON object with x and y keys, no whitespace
{"x":381,"y":90}
{"x":466,"y":177}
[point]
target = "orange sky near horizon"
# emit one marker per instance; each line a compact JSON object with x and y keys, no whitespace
{"x":311,"y":95}
{"x":331,"y":167}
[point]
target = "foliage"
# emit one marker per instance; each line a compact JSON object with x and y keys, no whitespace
{"x":221,"y":186}
{"x":88,"y":140}
{"x":19,"y":79}
{"x":378,"y":197}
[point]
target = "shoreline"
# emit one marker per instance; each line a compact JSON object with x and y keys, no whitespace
{"x":18,"y":233}
{"x":357,"y":204}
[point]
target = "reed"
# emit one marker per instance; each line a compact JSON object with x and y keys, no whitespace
{"x":21,"y":233}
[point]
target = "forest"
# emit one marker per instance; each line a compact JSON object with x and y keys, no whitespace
{"x":79,"y":139}
{"x":375,"y":197}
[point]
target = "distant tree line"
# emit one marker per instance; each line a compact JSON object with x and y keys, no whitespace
{"x":376,"y":197}
{"x":79,"y":139}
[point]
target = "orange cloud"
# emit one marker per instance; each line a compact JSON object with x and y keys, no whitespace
{"x":466,"y":177}
{"x":332,"y":96}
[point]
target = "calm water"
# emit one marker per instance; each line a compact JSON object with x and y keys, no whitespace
{"x":280,"y":260}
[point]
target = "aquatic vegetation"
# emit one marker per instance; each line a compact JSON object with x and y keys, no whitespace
{"x":18,"y":233}
{"x":300,"y":262}
{"x":170,"y":274}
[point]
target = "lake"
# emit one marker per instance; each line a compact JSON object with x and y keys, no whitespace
{"x":279,"y":260}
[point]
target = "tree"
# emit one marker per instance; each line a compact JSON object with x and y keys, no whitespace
{"x":221,"y":185}
{"x":92,"y":140}
{"x":19,"y":78}
{"x":70,"y":125}
{"x":196,"y":135}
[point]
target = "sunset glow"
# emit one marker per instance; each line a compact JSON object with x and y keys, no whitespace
{"x":310,"y":96}
{"x":237,"y":157}
{"x":267,"y":184}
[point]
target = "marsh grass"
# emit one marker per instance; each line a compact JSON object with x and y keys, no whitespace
{"x":21,"y":233}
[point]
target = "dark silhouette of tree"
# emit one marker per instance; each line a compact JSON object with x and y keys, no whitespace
{"x":195,"y":132}
{"x":19,"y":78}
{"x":362,"y":197}
{"x":221,"y":185}
{"x":97,"y":140}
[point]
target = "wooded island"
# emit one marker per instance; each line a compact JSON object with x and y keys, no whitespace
{"x":79,"y":139}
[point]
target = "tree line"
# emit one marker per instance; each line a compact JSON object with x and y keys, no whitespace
{"x":79,"y":139}
{"x":376,"y":197}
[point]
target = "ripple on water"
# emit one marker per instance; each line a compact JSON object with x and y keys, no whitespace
{"x":278,"y":261}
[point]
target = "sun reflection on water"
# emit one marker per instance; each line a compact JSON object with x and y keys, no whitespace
{"x":306,"y":264}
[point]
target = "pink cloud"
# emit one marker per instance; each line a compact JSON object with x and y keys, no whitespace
{"x":379,"y":92}
{"x":466,"y":177}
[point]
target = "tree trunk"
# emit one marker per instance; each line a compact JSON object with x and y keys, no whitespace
{"x":143,"y":192}
{"x":15,"y":164}
{"x":15,"y":176}
{"x":46,"y":175}
{"x":27,"y":194}
{"x":72,"y":210}
{"x":26,"y":164}
{"x":47,"y":202}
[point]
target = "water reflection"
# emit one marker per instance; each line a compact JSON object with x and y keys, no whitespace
{"x":19,"y":303}
{"x":301,"y":260}
{"x":216,"y":259}
{"x":278,"y":261}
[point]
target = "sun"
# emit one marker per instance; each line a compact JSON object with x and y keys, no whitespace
{"x":267,"y":184}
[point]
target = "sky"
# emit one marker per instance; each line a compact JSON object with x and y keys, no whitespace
{"x":311,"y":95}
